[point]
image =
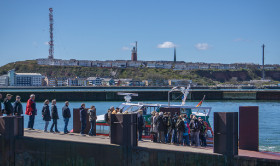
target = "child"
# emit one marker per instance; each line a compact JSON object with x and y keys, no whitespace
{"x":186,"y":140}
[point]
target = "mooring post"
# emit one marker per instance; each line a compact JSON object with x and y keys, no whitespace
{"x":226,"y":133}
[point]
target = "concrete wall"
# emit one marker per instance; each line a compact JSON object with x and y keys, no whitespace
{"x":239,"y":95}
{"x":31,"y":151}
{"x":150,"y":95}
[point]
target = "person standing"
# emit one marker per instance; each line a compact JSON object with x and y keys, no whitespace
{"x":140,"y":125}
{"x":17,"y":107}
{"x":160,"y":128}
{"x":186,"y":140}
{"x":54,"y":116}
{"x":154,"y":126}
{"x":92,"y":120}
{"x":46,"y":115}
{"x":169,"y":129}
{"x":195,"y":129}
{"x":31,"y":111}
{"x":165,"y":126}
{"x":83,"y":116}
{"x":8,"y":105}
{"x":180,"y":129}
{"x":66,"y":116}
{"x":202,"y":132}
{"x":174,"y":130}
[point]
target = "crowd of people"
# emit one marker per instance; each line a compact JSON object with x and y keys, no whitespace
{"x":48,"y":113}
{"x":165,"y":128}
{"x":178,"y":129}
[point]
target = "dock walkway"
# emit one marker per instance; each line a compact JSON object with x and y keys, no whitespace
{"x":73,"y":137}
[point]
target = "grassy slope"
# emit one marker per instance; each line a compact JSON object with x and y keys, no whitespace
{"x":199,"y":76}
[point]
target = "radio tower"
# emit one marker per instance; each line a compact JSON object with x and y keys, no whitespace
{"x":51,"y":49}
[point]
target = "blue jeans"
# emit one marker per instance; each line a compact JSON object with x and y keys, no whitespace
{"x":180,"y":137}
{"x":140,"y":133}
{"x":54,"y":124}
{"x":186,"y":140}
{"x":66,"y":120}
{"x":92,"y":129}
{"x":83,"y":126}
{"x":174,"y":136}
{"x":46,"y":125}
{"x":202,"y":140}
{"x":31,"y":121}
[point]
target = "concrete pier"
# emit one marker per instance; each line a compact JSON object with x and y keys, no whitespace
{"x":39,"y":148}
{"x":144,"y":94}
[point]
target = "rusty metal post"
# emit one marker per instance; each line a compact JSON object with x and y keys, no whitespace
{"x":249,"y":128}
{"x":7,"y":133}
{"x":124,"y":129}
{"x":226,"y":133}
{"x":77,"y":122}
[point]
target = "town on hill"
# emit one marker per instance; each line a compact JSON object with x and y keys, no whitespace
{"x":30,"y":73}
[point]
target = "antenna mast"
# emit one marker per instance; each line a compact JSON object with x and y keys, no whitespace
{"x":51,"y":44}
{"x":263,"y":75}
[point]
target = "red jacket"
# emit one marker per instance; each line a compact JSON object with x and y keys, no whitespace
{"x":29,"y":110}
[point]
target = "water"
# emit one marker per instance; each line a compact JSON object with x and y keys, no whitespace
{"x":269,"y":117}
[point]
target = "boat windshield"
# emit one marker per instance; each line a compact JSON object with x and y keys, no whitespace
{"x":130,"y":108}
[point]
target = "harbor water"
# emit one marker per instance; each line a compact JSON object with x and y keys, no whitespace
{"x":269,"y":116}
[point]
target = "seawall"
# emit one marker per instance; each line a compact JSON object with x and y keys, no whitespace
{"x":38,"y":151}
{"x":144,"y":94}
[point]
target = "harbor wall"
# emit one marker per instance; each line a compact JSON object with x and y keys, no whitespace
{"x":34,"y":151}
{"x":147,"y":95}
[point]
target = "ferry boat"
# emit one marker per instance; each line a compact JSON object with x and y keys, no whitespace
{"x":203,"y":112}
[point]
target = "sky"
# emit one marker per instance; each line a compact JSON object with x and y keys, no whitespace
{"x":215,"y":31}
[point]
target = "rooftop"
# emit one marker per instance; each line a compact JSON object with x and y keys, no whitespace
{"x":31,"y":74}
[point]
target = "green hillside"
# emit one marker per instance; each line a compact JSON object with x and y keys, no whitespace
{"x":206,"y":77}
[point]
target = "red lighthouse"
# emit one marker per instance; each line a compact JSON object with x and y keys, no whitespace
{"x":134,"y":53}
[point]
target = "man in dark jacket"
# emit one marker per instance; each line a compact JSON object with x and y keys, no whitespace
{"x":92,"y":120}
{"x":54,"y":116}
{"x":165,"y":124}
{"x":160,"y":128}
{"x":17,"y":107}
{"x":174,"y":130}
{"x":140,"y":125}
{"x":8,"y":105}
{"x":202,"y":132}
{"x":180,"y":129}
{"x":66,"y":116}
{"x":195,"y":129}
{"x":83,"y":116}
{"x":46,"y":115}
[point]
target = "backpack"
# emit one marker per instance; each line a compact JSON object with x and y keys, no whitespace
{"x":202,"y":127}
{"x":180,"y":125}
{"x":106,"y":117}
{"x":173,"y":122}
{"x":197,"y":125}
{"x":165,"y":121}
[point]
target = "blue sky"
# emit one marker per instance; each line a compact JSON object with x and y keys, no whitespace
{"x":203,"y":31}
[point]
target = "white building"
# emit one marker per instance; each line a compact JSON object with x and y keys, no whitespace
{"x":84,"y":63}
{"x":96,"y":63}
{"x":135,"y":64}
{"x":4,"y":80}
{"x":94,"y":81}
{"x":180,"y":66}
{"x":24,"y":79}
{"x":151,"y":64}
{"x":119,"y":64}
{"x":107,"y":64}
